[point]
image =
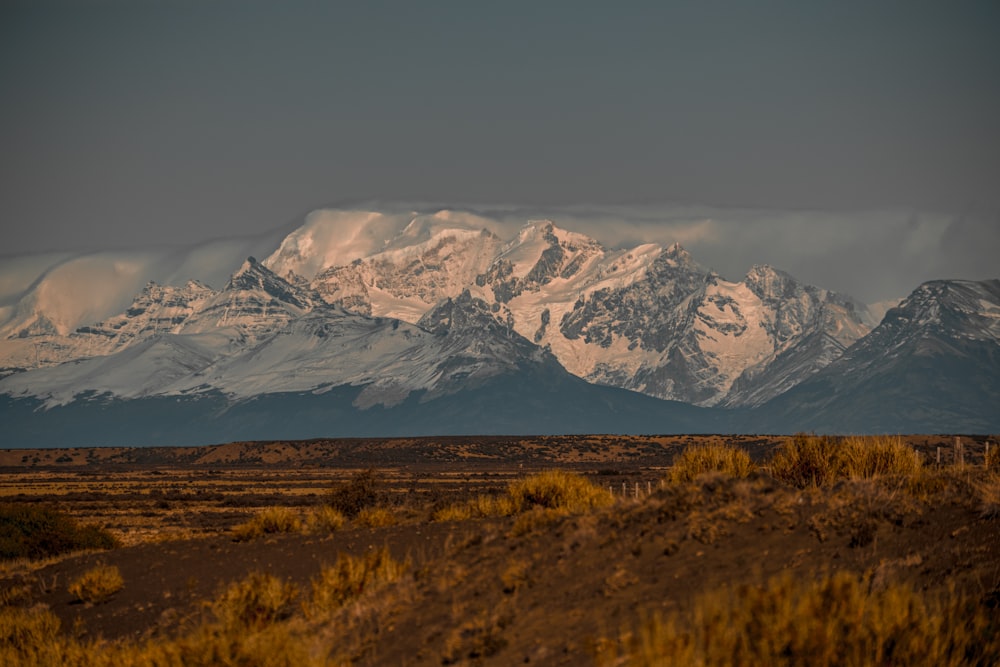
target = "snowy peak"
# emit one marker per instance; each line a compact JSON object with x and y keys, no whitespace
{"x":460,"y":314}
{"x":541,"y":254}
{"x":943,"y":309}
{"x":253,"y":276}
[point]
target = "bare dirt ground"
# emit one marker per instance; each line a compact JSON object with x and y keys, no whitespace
{"x":496,"y":591}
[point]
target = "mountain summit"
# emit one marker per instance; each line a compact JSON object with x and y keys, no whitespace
{"x":403,"y":313}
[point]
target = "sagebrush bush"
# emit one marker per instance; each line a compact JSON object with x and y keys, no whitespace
{"x":268,"y":522}
{"x":350,"y":577}
{"x":40,"y":532}
{"x":837,"y":620}
{"x":255,"y":601}
{"x":97,"y":584}
{"x":695,"y":461}
{"x":365,"y":489}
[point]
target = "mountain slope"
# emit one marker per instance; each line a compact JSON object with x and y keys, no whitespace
{"x":932,"y":365}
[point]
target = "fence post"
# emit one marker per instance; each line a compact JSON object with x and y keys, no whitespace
{"x":959,"y":451}
{"x":624,"y":490}
{"x":939,"y":455}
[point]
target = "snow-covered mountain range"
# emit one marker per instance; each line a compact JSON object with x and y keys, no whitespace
{"x":436,"y":305}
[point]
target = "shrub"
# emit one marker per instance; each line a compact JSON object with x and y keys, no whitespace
{"x":807,"y":461}
{"x":97,"y":584}
{"x":365,"y":489}
{"x":270,"y":521}
{"x":695,"y":461}
{"x":350,"y":577}
{"x":256,"y":601}
{"x":834,"y":621}
{"x":40,"y":532}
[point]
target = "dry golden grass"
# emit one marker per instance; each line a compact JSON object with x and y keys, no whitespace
{"x":878,"y":456}
{"x":256,"y":601}
{"x":695,"y":461}
{"x":269,"y":521}
{"x":820,"y":461}
{"x":351,"y":577}
{"x":375,"y":517}
{"x":807,"y":461}
{"x":834,"y":621}
{"x":988,"y":493}
{"x":97,"y":584}
{"x":556,"y":490}
{"x":325,"y":519}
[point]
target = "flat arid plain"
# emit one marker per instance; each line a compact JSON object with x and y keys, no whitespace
{"x":607,"y":550}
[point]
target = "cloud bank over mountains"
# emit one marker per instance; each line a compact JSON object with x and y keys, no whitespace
{"x":873,"y":255}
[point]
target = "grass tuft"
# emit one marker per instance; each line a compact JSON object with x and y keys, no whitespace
{"x":875,"y":456}
{"x":811,"y":461}
{"x":557,"y":490}
{"x":835,"y":621}
{"x":696,"y":461}
{"x":351,"y":577}
{"x":325,"y":519}
{"x":988,"y":493}
{"x":255,"y":602}
{"x":97,"y":584}
{"x":807,"y":461}
{"x":268,"y":522}
{"x":375,"y":517}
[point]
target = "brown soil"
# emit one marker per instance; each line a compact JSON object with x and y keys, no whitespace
{"x":546,"y":589}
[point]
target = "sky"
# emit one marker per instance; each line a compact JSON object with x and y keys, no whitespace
{"x":855,"y":144}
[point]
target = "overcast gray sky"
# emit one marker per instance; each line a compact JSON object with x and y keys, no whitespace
{"x":138,"y":121}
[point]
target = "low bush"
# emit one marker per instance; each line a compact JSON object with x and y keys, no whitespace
{"x":97,"y":584}
{"x":268,"y":522}
{"x":695,"y":461}
{"x":365,"y":489}
{"x":837,"y":620}
{"x":41,"y":532}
